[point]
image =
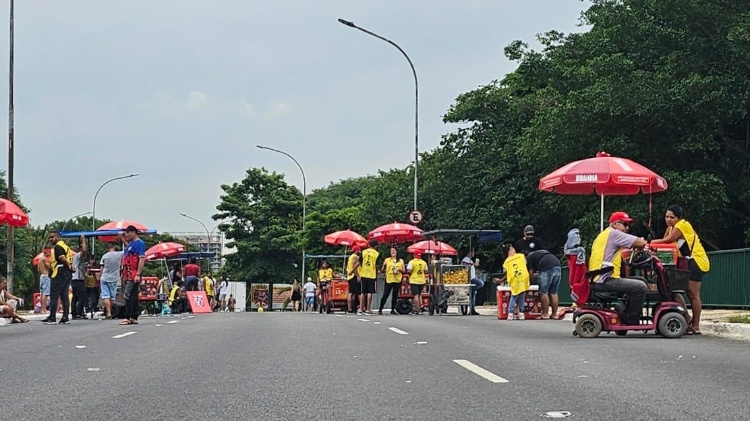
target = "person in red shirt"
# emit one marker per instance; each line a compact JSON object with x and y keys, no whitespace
{"x":192,"y":274}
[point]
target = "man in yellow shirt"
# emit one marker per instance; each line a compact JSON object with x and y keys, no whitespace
{"x":353,"y":277}
{"x":417,"y":268}
{"x":369,"y":274}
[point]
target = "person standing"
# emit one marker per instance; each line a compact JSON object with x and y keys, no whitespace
{"x":192,"y":275}
{"x":393,"y":267}
{"x":133,"y":259}
{"x":369,"y":274}
{"x":43,"y":266}
{"x":548,"y":270}
{"x":476,"y":283}
{"x":528,"y":243}
{"x":689,"y":245}
{"x":78,"y":284}
{"x":223,"y":290}
{"x":417,"y":269}
{"x":309,"y":288}
{"x":208,"y":287}
{"x":353,"y":279}
{"x":110,"y":276}
{"x":62,"y":273}
{"x":518,"y":280}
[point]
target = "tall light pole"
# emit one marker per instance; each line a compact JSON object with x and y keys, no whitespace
{"x":416,"y":100}
{"x":304,"y":198}
{"x":208,"y":233}
{"x":72,"y":218}
{"x":11,"y":118}
{"x":93,"y":211}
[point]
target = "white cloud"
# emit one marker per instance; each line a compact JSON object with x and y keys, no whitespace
{"x":278,"y":109}
{"x":197,"y":102}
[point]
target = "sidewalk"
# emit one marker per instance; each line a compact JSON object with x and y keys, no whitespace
{"x":713,"y":322}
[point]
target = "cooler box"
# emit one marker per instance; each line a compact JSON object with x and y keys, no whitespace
{"x":532,"y":308}
{"x":667,"y":253}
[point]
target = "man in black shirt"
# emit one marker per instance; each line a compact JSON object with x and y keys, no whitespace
{"x":528,"y":243}
{"x":547,"y":269}
{"x":62,"y":273}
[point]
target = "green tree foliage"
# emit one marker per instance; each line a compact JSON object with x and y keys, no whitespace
{"x":263,"y":217}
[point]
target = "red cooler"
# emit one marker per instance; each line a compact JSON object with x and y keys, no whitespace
{"x":532,"y":306}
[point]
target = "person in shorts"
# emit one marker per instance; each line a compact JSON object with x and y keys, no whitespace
{"x":353,"y":278}
{"x":547,"y":269}
{"x":368,"y":273}
{"x":44,"y":268}
{"x":417,"y":270}
{"x":110,"y":276}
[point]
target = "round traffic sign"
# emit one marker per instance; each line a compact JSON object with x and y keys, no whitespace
{"x":415,"y":216}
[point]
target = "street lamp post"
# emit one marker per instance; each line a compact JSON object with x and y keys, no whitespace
{"x":72,"y":218}
{"x":416,"y":100}
{"x":304,"y":198}
{"x":93,"y":211}
{"x":11,"y":119}
{"x":208,"y":233}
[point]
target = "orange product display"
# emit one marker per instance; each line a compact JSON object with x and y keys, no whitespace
{"x":532,"y":305}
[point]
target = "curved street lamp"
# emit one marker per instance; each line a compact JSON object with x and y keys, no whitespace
{"x":304,"y":197}
{"x":208,"y":233}
{"x":93,"y":211}
{"x":416,"y":99}
{"x":72,"y":218}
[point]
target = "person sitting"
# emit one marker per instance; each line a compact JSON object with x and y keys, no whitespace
{"x":231,"y":302}
{"x":606,"y":252}
{"x":9,"y":303}
{"x":177,"y":299}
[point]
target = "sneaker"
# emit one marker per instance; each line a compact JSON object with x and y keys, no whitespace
{"x":49,"y":321}
{"x":380,"y":312}
{"x":393,"y":312}
{"x":521,"y":316}
{"x":512,"y":316}
{"x":360,"y":313}
{"x":64,"y":321}
{"x":369,"y":313}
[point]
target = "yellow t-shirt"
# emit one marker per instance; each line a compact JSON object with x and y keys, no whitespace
{"x":325,"y":274}
{"x":390,"y":277}
{"x":369,"y":262}
{"x":208,"y":285}
{"x":418,"y":271}
{"x":518,"y":274}
{"x":596,"y":261}
{"x":350,"y":273}
{"x":697,"y":251}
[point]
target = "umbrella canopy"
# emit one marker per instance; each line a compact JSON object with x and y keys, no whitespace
{"x":164,"y":250}
{"x":432,"y":247}
{"x":120,"y":226}
{"x":12,"y":215}
{"x":604,"y":175}
{"x":395,"y":232}
{"x":346,"y":238}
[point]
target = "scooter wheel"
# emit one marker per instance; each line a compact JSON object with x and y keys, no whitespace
{"x":588,"y":326}
{"x":672,"y":325}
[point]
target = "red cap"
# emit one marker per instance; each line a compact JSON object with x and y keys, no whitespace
{"x":620,"y":216}
{"x":418,"y":254}
{"x":355,"y":248}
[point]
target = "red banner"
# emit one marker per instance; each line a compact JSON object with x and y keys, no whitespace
{"x":198,"y":302}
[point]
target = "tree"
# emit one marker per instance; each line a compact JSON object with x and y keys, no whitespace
{"x":23,"y":277}
{"x":263,"y":217}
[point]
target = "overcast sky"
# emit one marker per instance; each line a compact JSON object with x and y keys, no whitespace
{"x":181,"y":91}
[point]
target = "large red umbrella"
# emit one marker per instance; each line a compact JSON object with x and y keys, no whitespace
{"x":604,"y":175}
{"x":12,"y":215}
{"x":164,"y":250}
{"x":346,"y":238}
{"x":395,"y":232}
{"x":119,"y":225}
{"x":432,"y":247}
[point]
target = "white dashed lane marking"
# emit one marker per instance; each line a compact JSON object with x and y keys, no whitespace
{"x":494,"y":378}
{"x":122,"y":335}
{"x":397,"y":330}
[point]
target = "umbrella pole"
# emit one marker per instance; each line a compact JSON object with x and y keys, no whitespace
{"x":601,"y":213}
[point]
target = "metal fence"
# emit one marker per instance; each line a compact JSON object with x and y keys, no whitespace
{"x":727,"y":284}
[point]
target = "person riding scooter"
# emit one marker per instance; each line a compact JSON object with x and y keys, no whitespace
{"x":607,"y":252}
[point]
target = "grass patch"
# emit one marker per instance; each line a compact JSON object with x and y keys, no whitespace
{"x":739,"y":319}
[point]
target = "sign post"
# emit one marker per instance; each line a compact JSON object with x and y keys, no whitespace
{"x":415,"y":217}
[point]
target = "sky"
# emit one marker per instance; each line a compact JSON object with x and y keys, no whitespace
{"x":182,"y":91}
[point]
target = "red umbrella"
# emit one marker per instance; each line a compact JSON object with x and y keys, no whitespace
{"x":346,"y":238}
{"x":164,"y":250}
{"x":12,"y":215}
{"x":119,"y":225}
{"x":432,"y":247}
{"x":604,"y":175}
{"x":396,"y":232}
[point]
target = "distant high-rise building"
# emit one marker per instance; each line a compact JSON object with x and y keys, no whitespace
{"x":204,"y":244}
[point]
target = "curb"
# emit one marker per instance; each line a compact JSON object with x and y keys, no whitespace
{"x":736,"y":331}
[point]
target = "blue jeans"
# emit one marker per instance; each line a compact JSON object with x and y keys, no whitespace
{"x":517,"y":299}
{"x":476,"y":285}
{"x":549,"y":281}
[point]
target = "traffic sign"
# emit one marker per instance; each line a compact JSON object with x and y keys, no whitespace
{"x":415,"y":216}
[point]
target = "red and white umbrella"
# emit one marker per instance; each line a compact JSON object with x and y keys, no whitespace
{"x":119,"y":225}
{"x":604,"y":175}
{"x":347,"y":238}
{"x":12,"y":215}
{"x":164,"y":250}
{"x":395,"y":232}
{"x":432,"y":247}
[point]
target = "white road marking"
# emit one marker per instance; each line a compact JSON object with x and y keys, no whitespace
{"x":339,"y":315}
{"x":92,"y":369}
{"x":377,"y":323}
{"x":173,"y":322}
{"x":122,"y":335}
{"x":397,"y":330}
{"x":421,"y":343}
{"x":80,"y":346}
{"x":157,"y":325}
{"x":494,"y":378}
{"x":363,"y":320}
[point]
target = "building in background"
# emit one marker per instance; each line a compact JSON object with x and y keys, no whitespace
{"x":214,"y":244}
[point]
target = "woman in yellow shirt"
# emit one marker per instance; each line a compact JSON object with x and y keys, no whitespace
{"x":393,"y":267}
{"x":689,"y":245}
{"x":518,"y":281}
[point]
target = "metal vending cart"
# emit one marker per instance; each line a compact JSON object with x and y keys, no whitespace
{"x":450,"y":284}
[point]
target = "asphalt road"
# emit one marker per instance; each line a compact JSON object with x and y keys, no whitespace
{"x":282,"y":366}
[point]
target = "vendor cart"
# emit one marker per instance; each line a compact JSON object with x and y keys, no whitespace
{"x":331,"y":294}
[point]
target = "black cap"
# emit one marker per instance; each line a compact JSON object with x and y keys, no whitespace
{"x":131,"y":228}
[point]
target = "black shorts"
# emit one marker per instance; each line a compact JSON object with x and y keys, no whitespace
{"x":368,"y":286}
{"x":696,"y":274}
{"x":354,"y":287}
{"x":416,"y":289}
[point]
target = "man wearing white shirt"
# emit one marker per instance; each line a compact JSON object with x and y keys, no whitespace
{"x":309,"y":288}
{"x":476,"y":283}
{"x":109,"y":278}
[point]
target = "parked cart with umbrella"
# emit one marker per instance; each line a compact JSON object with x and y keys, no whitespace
{"x":333,"y":292}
